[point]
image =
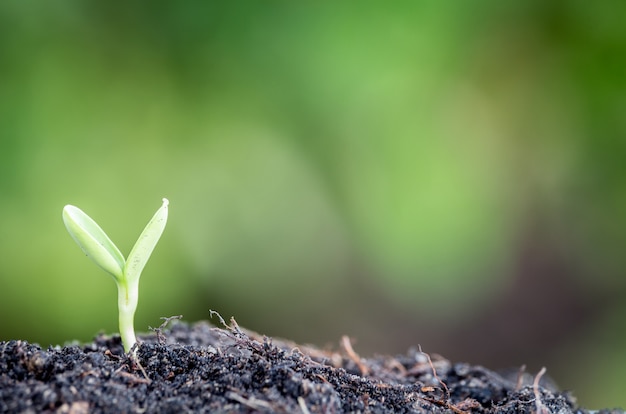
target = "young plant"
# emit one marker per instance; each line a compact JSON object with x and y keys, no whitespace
{"x":97,"y":245}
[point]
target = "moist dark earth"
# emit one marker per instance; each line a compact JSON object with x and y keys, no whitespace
{"x":200,"y":368}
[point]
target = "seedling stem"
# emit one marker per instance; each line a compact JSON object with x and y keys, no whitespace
{"x":97,"y":245}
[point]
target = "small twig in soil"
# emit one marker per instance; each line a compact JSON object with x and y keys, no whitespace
{"x":520,"y":378}
{"x":159,"y":330}
{"x":303,"y":407}
{"x":446,"y":401}
{"x":432,"y":367}
{"x":133,"y":378}
{"x":347,"y":346}
{"x":251,"y":402}
{"x":541,"y":408}
{"x":212,"y":312}
{"x":111,"y":355}
{"x":143,"y":371}
{"x":134,"y":359}
{"x":132,"y":362}
{"x":394,"y":363}
{"x":234,"y":326}
{"x":446,"y":404}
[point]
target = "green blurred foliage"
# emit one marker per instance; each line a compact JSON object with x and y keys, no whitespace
{"x":386,"y":171}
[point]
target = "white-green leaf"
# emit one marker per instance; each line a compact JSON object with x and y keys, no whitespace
{"x":93,"y":241}
{"x":144,"y":246}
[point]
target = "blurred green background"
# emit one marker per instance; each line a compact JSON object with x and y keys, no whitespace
{"x":450,"y":174}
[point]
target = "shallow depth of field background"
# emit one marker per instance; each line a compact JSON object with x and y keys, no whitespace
{"x":450,"y":175}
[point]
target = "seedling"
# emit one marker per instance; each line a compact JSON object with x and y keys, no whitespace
{"x":97,"y":245}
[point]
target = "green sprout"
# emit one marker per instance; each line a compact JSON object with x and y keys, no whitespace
{"x":97,"y":245}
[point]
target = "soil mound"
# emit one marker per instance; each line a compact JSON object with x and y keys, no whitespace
{"x":200,"y":368}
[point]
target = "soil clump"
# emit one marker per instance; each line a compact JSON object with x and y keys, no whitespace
{"x":200,"y":368}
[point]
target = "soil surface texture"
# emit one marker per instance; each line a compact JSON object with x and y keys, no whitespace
{"x":200,"y":368}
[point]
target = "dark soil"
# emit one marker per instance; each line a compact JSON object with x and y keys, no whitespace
{"x":200,"y":368}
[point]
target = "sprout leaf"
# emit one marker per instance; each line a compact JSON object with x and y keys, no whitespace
{"x":94,"y":241}
{"x":146,"y":243}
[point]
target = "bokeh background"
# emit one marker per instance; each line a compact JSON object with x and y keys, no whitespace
{"x":449,"y":174}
